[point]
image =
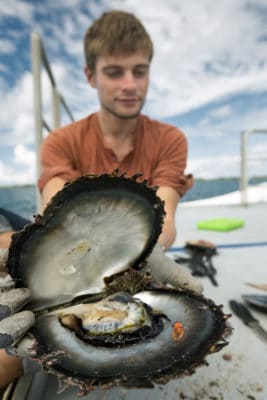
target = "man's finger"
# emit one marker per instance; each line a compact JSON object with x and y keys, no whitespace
{"x":181,"y":277}
{"x":164,"y":270}
{"x":3,"y":257}
{"x":5,"y":279}
{"x":13,"y":328}
{"x":6,"y":282}
{"x":13,"y":300}
{"x":26,"y":347}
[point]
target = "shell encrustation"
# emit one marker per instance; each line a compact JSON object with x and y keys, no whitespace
{"x":100,"y":320}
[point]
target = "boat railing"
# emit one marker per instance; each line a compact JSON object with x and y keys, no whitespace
{"x":244,"y":163}
{"x":39,"y":60}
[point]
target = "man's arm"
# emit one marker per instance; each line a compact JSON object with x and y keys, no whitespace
{"x":5,"y":239}
{"x":10,"y":368}
{"x":167,"y":194}
{"x":50,"y":189}
{"x":171,"y":200}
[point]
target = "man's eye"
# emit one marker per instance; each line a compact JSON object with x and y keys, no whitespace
{"x":114,"y":73}
{"x":140,"y":72}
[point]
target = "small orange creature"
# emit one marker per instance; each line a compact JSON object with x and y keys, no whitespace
{"x":178,"y":331}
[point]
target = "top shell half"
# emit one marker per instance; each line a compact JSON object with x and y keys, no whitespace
{"x":93,"y":228}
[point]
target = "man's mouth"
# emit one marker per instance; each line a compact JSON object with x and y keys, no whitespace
{"x":129,"y":102}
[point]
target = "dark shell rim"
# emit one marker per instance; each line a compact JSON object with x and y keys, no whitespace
{"x":88,"y":181}
{"x":86,"y":384}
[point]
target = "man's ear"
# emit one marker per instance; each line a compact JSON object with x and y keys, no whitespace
{"x":90,"y":76}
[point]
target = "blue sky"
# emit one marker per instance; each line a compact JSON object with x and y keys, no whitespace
{"x":208,"y":76}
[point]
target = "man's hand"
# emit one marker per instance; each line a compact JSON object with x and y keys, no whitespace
{"x":166,"y":271}
{"x":13,"y":324}
{"x":171,"y":199}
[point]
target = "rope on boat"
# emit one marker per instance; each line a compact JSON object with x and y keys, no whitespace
{"x":225,"y":246}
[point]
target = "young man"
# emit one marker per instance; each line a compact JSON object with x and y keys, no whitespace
{"x":118,"y":53}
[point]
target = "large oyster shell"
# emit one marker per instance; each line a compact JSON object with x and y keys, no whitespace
{"x":94,"y":228}
{"x":90,"y":244}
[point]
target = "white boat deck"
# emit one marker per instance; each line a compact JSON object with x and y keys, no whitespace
{"x":237,"y":372}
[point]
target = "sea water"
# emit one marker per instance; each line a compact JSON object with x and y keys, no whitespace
{"x":22,"y":199}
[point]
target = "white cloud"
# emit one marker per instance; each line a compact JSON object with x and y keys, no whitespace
{"x":221,"y":112}
{"x":16,"y":113}
{"x":215,"y":166}
{"x":230,"y":125}
{"x":17,"y":8}
{"x":257,"y":158}
{"x":16,"y":106}
{"x":21,"y":169}
{"x":24,"y":157}
{"x":204,"y":52}
{"x":7,"y":46}
{"x":209,"y":51}
{"x":229,"y":165}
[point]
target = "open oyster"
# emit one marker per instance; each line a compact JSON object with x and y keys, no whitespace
{"x":100,"y":321}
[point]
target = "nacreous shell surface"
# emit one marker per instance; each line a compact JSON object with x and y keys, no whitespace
{"x":93,"y":228}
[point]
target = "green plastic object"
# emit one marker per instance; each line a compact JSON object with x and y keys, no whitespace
{"x":221,"y":224}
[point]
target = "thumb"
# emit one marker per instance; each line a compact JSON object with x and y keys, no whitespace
{"x":13,"y":328}
{"x":164,"y":270}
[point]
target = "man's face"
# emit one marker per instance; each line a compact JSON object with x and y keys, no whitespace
{"x":121,"y":82}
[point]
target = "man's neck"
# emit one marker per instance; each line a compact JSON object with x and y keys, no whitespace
{"x":117,"y":134}
{"x":116,"y":128}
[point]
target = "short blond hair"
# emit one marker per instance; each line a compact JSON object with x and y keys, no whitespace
{"x":116,"y":32}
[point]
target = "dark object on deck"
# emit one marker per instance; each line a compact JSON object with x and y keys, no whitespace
{"x":248,"y":319}
{"x":16,"y":221}
{"x":258,"y":301}
{"x":200,"y":263}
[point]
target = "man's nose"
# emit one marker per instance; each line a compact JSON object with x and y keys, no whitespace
{"x":128,"y":81}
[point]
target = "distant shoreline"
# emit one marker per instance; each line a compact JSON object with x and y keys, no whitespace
{"x":17,"y":186}
{"x":22,"y":198}
{"x":196,"y":180}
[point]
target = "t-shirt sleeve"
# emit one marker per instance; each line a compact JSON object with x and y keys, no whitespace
{"x":57,"y":159}
{"x":171,"y":165}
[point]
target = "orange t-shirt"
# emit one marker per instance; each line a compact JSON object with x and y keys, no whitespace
{"x":159,"y":154}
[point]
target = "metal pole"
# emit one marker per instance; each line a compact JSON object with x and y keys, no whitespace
{"x":243,"y":175}
{"x":66,"y":108}
{"x":56,"y":107}
{"x":244,"y":159}
{"x":37,"y":96}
